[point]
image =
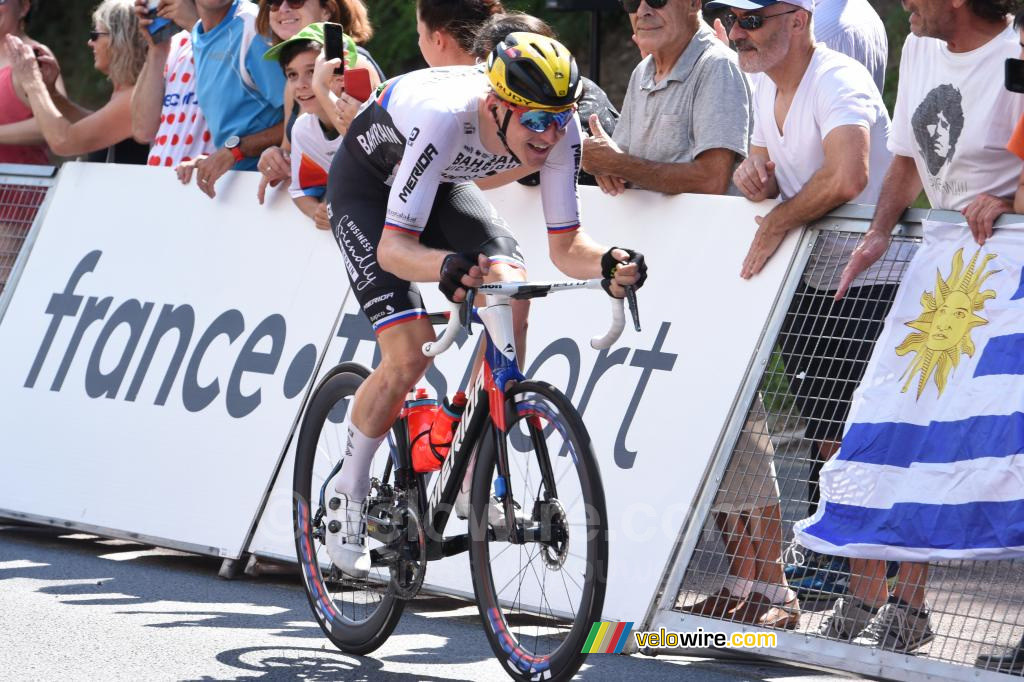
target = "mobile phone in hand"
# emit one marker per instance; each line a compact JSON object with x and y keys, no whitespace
{"x":333,"y":45}
{"x":161,"y":29}
{"x":1014,"y":75}
{"x":357,"y":84}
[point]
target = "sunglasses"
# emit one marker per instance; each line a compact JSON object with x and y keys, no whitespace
{"x":631,"y":6}
{"x":275,"y":5}
{"x":539,"y":120}
{"x":751,"y":22}
{"x":95,"y":35}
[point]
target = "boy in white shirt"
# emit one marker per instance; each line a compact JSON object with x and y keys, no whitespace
{"x":315,"y":138}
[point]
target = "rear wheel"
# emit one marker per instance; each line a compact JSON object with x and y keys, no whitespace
{"x":357,"y":615}
{"x":540,"y":598}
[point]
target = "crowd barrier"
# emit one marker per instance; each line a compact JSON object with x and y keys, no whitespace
{"x":159,"y":347}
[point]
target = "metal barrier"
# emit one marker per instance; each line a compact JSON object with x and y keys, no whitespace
{"x":786,"y":423}
{"x":23,"y":191}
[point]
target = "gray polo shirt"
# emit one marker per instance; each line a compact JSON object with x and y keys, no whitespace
{"x":703,"y":103}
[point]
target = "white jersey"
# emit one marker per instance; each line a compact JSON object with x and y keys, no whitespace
{"x":312,"y":152}
{"x":423,"y":130}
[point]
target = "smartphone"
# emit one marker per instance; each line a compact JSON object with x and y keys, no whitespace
{"x":1014,"y":75}
{"x":333,"y":45}
{"x":357,"y":84}
{"x":161,"y":29}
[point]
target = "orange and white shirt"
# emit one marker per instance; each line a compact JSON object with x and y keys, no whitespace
{"x":183,"y":134}
{"x":312,"y":153}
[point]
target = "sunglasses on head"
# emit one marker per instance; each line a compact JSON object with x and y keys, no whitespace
{"x":751,"y":22}
{"x":631,"y":6}
{"x":539,"y":120}
{"x":294,"y":4}
{"x":95,"y":35}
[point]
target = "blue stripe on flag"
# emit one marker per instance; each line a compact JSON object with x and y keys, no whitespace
{"x":978,"y":525}
{"x":900,"y":445}
{"x":1002,"y":355}
{"x":1020,"y":288}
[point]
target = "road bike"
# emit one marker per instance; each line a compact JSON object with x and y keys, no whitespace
{"x":537,"y":527}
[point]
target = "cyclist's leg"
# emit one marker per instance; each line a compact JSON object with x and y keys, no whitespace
{"x":395,"y":309}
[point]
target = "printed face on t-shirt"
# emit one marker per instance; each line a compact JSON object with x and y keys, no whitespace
{"x":937,"y":124}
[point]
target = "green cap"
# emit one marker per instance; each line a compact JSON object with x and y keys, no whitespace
{"x":313,"y":32}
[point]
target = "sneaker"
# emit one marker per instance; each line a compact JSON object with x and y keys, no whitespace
{"x":1012,"y":661}
{"x":346,"y":535}
{"x":799,"y":561}
{"x":895,"y":628}
{"x":845,"y":620}
{"x":830,"y":578}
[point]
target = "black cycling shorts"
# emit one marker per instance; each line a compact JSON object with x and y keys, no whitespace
{"x":461,"y":220}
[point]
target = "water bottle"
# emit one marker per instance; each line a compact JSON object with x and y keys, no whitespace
{"x":428,"y":453}
{"x":419,"y":414}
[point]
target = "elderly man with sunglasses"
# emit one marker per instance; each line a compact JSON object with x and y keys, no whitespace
{"x":686,"y":115}
{"x":820,"y":140}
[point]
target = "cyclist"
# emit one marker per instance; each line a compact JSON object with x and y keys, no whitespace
{"x":403,"y":208}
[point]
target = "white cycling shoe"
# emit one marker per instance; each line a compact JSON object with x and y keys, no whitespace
{"x":346,"y":535}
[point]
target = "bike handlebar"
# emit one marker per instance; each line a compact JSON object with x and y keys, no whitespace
{"x":523,"y":290}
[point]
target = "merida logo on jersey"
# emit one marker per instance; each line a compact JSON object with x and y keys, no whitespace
{"x":376,"y":135}
{"x":421,"y":165}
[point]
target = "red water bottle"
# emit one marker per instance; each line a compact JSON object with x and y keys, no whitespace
{"x":429,"y":452}
{"x":445,"y":423}
{"x":419,"y":415}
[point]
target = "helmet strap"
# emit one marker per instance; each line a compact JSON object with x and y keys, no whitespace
{"x":503,"y":130}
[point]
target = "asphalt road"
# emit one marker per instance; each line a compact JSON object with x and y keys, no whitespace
{"x":81,"y":607}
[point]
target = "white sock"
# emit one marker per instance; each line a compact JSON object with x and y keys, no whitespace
{"x":354,"y":479}
{"x":738,"y":587}
{"x":777,"y":594}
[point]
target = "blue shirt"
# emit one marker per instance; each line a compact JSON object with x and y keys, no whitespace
{"x":231,"y":107}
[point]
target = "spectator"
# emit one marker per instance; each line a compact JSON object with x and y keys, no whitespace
{"x":314,"y":137}
{"x":165,"y":109}
{"x":104,"y":135}
{"x":278,"y":21}
{"x":686,"y":114}
{"x":950,"y":127}
{"x":239,"y":92}
{"x":447,"y":30}
{"x":854,"y":28}
{"x":21,"y":141}
{"x":594,"y":101}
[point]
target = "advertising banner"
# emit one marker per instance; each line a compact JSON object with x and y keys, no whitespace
{"x":156,"y":352}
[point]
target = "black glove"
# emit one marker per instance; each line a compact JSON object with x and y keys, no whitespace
{"x":609,"y":264}
{"x":454,"y":267}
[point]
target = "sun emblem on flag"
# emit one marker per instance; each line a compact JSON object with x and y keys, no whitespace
{"x":944,"y":326}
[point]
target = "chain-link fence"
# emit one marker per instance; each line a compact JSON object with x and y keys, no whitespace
{"x":20,"y":201}
{"x":747,"y":570}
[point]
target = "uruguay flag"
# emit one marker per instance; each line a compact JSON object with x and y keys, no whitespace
{"x":932,"y":459}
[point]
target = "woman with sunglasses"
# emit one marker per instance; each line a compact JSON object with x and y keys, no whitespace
{"x":281,"y":20}
{"x":406,"y":210}
{"x":106,"y":134}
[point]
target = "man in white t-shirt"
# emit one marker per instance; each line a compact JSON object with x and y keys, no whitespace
{"x":165,"y":109}
{"x":854,"y":28}
{"x":951,"y":125}
{"x":819,"y":141}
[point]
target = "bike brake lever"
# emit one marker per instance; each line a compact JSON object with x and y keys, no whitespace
{"x":466,"y":312}
{"x":634,"y":311}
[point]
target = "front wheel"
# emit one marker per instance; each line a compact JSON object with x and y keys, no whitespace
{"x":540,"y":594}
{"x":357,"y":615}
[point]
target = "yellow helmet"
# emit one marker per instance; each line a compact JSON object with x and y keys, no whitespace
{"x":531,"y":70}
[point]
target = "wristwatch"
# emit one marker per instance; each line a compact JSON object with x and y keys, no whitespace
{"x":231,"y":144}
